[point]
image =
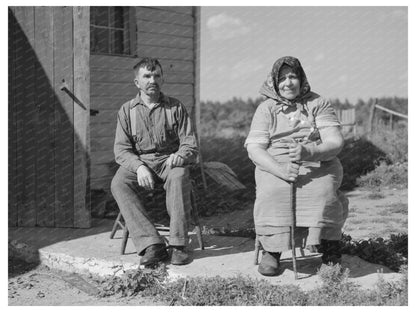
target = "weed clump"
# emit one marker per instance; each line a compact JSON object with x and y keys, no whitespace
{"x":393,"y":176}
{"x":335,"y":289}
{"x":391,"y":252}
{"x":131,"y":282}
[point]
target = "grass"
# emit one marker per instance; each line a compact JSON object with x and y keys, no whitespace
{"x":400,"y":208}
{"x":385,"y":175}
{"x":334,"y":289}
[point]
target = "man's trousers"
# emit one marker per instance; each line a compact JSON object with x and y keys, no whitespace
{"x":177,"y":185}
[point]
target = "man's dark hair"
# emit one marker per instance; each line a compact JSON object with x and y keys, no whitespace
{"x":149,"y":63}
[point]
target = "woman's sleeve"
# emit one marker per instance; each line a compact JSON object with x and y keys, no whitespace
{"x":260,"y":125}
{"x":325,"y":115}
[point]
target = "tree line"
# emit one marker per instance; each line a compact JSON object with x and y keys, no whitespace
{"x":233,"y":117}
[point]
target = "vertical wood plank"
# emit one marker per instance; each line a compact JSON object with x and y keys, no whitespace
{"x":371,"y":117}
{"x":25,"y":64}
{"x":82,"y":208}
{"x":132,"y":30}
{"x":12,"y":217}
{"x":64,"y":117}
{"x":45,"y":191}
{"x":197,"y":66}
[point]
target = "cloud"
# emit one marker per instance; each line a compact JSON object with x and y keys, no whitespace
{"x":223,"y":26}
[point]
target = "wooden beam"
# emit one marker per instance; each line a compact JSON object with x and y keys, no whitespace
{"x":391,"y":111}
{"x":45,"y":103}
{"x":371,"y":117}
{"x":126,"y":76}
{"x":126,"y":63}
{"x":132,"y":30}
{"x":165,"y":52}
{"x":165,"y":28}
{"x":157,"y":15}
{"x":26,"y":63}
{"x":64,"y":117}
{"x":12,"y":159}
{"x":197,"y":103}
{"x":179,"y":9}
{"x":82,"y":207}
{"x":162,"y":40}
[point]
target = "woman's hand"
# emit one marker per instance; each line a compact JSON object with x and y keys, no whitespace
{"x":290,"y":171}
{"x":297,"y":152}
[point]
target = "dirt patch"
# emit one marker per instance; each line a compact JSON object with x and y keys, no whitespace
{"x":32,"y":285}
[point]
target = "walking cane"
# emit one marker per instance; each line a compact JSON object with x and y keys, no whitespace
{"x":292,"y":228}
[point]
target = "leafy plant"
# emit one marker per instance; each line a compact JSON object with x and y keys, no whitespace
{"x":131,"y":282}
{"x":391,"y":253}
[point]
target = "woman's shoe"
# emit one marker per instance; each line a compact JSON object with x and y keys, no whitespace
{"x":270,"y":263}
{"x":331,"y":251}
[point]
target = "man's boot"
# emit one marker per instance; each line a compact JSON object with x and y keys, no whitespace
{"x":331,"y":251}
{"x":270,"y":263}
{"x":153,"y":254}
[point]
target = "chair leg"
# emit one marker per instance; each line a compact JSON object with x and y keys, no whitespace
{"x":195,"y":217}
{"x":256,"y":250}
{"x":199,"y":236}
{"x":114,"y":230}
{"x":124,"y":240}
{"x":302,"y":252}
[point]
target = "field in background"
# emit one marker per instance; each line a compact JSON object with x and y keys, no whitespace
{"x":375,"y":168}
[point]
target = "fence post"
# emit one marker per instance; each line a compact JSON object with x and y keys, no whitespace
{"x":391,"y":121}
{"x":370,"y":121}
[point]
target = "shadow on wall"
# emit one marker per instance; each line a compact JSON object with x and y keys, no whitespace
{"x":45,"y":169}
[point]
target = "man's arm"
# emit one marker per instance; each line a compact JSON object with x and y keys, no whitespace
{"x":124,"y":152}
{"x":188,"y":148}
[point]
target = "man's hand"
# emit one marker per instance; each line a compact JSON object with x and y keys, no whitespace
{"x":145,"y":177}
{"x":175,"y":161}
{"x":290,"y":172}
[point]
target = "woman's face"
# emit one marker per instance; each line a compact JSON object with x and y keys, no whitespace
{"x":288,"y":83}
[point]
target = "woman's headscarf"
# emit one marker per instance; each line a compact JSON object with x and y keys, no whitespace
{"x":270,"y":87}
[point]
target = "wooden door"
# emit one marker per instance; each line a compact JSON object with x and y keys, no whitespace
{"x":49,"y":117}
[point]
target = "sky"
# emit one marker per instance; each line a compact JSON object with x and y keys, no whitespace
{"x":346,"y":52}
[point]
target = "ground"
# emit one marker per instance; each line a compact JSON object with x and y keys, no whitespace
{"x":371,"y":215}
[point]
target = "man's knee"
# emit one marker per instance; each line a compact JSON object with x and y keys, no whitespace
{"x":119,"y":181}
{"x":178,"y":174}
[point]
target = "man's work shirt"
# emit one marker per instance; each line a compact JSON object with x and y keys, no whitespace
{"x":160,"y":131}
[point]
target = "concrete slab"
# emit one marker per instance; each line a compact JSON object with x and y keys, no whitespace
{"x":92,"y":251}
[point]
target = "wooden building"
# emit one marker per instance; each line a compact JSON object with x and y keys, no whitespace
{"x":70,"y":70}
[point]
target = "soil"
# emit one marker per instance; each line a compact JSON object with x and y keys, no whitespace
{"x":371,"y":215}
{"x":40,"y":286}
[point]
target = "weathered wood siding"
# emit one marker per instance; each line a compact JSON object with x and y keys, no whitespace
{"x":48,"y":159}
{"x":166,"y":33}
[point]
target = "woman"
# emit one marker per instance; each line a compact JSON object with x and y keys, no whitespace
{"x":295,"y":137}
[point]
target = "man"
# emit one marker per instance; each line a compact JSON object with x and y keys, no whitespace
{"x":154,"y":142}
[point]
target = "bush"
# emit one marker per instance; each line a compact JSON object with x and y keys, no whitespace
{"x":391,"y":252}
{"x":393,"y":176}
{"x":394,"y":144}
{"x":358,"y":157}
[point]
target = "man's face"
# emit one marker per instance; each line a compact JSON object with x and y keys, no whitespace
{"x":149,"y":82}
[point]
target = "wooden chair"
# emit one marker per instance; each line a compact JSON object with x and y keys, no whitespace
{"x":120,"y":223}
